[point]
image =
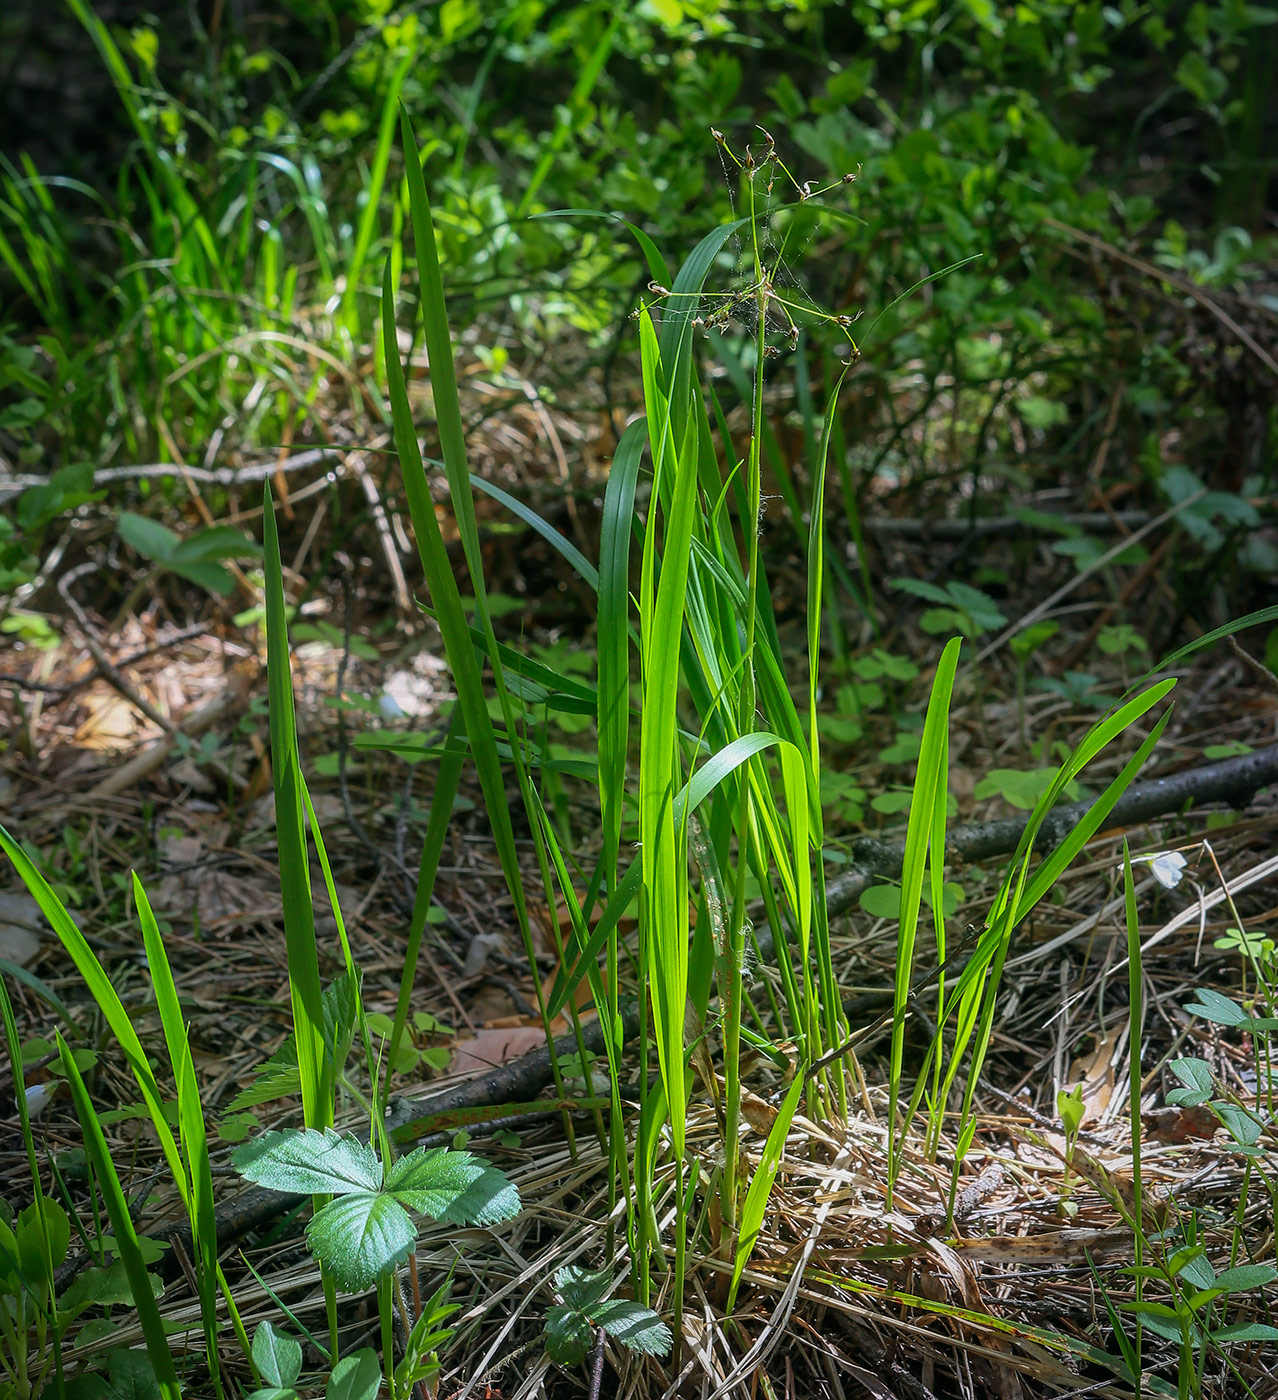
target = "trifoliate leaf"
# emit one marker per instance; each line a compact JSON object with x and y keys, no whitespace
{"x":1214,"y":1007}
{"x":1195,"y":1075}
{"x":633,"y":1325}
{"x":452,"y":1186}
{"x":277,"y":1356}
{"x":309,"y":1162}
{"x":358,"y":1237}
{"x":568,"y":1335}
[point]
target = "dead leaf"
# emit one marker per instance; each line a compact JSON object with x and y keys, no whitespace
{"x":492,"y":1046}
{"x":1096,"y":1073}
{"x":1180,"y":1125}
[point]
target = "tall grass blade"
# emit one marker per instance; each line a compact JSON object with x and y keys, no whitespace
{"x":755,"y":1205}
{"x":305,"y":988}
{"x":126,"y":1240}
{"x":929,"y":793}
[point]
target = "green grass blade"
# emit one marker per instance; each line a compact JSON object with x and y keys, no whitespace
{"x":190,"y":1121}
{"x":755,"y":1205}
{"x":929,"y":785}
{"x":1136,"y":1021}
{"x":664,"y":866}
{"x":441,"y":812}
{"x":373,"y":193}
{"x":99,"y":1154}
{"x":108,"y":1000}
{"x":612,"y":632}
{"x":305,"y":989}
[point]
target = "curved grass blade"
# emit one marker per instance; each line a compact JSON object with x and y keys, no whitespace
{"x":126,"y":1239}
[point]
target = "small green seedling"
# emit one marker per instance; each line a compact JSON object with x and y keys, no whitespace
{"x":198,"y":558}
{"x":365,"y":1231}
{"x":571,"y":1324}
{"x":1069,"y":1104}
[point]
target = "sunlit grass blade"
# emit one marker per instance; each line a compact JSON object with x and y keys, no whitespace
{"x":1136,"y":1025}
{"x":194,"y":1138}
{"x":438,"y":568}
{"x":373,"y":194}
{"x":104,"y":994}
{"x":612,"y":633}
{"x":664,"y":878}
{"x":755,"y":1205}
{"x":929,"y":791}
{"x":305,"y":988}
{"x":126,"y":1239}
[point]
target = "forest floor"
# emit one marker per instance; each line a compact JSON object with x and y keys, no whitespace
{"x":139,"y":743}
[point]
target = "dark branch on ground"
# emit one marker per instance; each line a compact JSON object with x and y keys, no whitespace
{"x":1231,"y":780}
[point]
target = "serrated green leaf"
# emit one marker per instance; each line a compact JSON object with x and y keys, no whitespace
{"x":582,"y":1288}
{"x":568,"y":1335}
{"x":277,"y":1356}
{"x":359,"y":1236}
{"x":634,"y":1326}
{"x":355,"y":1377}
{"x":132,"y":1377}
{"x":309,"y":1162}
{"x":452,"y":1186}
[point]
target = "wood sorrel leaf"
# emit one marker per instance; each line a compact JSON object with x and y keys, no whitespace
{"x":277,"y":1356}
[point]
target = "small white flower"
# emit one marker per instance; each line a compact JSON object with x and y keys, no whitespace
{"x":389,"y":706}
{"x":39,"y":1096}
{"x":1168,"y":867}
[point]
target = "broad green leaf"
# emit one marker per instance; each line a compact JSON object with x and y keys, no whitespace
{"x":1246,"y":1332}
{"x":217,"y":542}
{"x":582,"y":1288}
{"x":360,"y":1236}
{"x":205,"y":573}
{"x":355,"y":1377}
{"x":29,"y":1234}
{"x":151,"y":539}
{"x":277,"y":1356}
{"x":633,"y":1325}
{"x":1242,"y":1278}
{"x":1196,"y":1076}
{"x":452,"y":1186}
{"x":309,"y":1162}
{"x":881,"y":901}
{"x":568,"y":1335}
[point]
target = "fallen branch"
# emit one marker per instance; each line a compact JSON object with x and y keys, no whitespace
{"x":1232,"y":780}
